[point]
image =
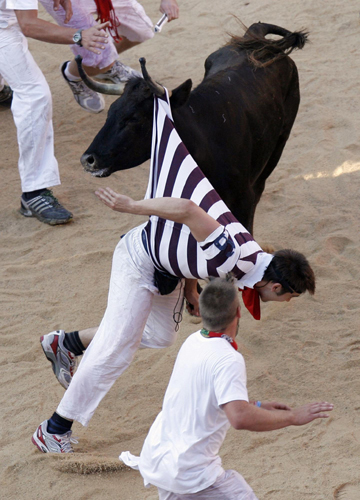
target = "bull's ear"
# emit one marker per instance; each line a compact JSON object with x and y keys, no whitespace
{"x":180,"y":95}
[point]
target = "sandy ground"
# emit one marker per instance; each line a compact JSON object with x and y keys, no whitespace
{"x":308,"y":349}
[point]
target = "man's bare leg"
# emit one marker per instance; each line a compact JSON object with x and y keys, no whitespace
{"x":125,"y":44}
{"x":87,"y":335}
{"x":72,"y":67}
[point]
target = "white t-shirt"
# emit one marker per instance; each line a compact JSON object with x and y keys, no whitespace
{"x":180,"y":452}
{"x":7,"y":7}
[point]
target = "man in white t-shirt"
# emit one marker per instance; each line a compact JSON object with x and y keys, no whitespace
{"x":206,"y":395}
{"x":32,"y":105}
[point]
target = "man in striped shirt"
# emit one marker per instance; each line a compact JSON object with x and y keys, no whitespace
{"x":190,"y":234}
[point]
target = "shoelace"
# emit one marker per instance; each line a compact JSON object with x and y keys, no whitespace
{"x":65,"y":442}
{"x":81,"y":89}
{"x":50,"y":198}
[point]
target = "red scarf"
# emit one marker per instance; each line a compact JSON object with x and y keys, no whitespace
{"x":251,"y":301}
{"x":105,"y":11}
{"x":207,"y":334}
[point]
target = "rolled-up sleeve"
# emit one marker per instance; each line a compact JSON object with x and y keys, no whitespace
{"x":220,"y":250}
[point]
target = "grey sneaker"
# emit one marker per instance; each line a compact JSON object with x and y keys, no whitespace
{"x":52,"y":443}
{"x":63,"y":361}
{"x":88,"y":99}
{"x":46,"y":208}
{"x":6,"y":95}
{"x":119,"y":73}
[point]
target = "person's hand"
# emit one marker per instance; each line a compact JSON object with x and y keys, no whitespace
{"x":67,"y":6}
{"x":115,"y":201}
{"x":308,"y":413}
{"x":170,"y":8}
{"x":274,"y":405}
{"x":192,"y":297}
{"x":95,"y":37}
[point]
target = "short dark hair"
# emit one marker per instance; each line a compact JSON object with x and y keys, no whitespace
{"x":292,"y":270}
{"x":218,"y":303}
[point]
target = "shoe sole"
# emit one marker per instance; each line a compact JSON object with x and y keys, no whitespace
{"x":51,"y":222}
{"x":53,"y":365}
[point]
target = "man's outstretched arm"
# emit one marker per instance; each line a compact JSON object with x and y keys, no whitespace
{"x":179,"y":210}
{"x":93,"y":38}
{"x":246,"y":416}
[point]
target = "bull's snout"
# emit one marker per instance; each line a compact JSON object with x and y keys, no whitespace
{"x":91,"y":164}
{"x":88,"y":161}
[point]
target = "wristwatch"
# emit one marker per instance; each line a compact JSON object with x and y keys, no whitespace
{"x":77,"y":38}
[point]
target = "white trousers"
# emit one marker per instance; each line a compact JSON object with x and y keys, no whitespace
{"x":136,"y":316}
{"x":135,"y":25}
{"x":32,"y":111}
{"x":229,"y":486}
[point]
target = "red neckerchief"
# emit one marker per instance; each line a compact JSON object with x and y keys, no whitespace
{"x":207,"y":334}
{"x":251,"y":299}
{"x":105,"y":12}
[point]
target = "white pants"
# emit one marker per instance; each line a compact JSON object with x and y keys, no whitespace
{"x":229,"y":486}
{"x":135,"y":25}
{"x":32,"y":111}
{"x":136,"y":316}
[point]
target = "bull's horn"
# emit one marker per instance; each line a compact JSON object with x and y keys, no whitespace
{"x":153,"y":86}
{"x":103,"y":88}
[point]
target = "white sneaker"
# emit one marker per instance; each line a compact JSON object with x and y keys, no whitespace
{"x":119,"y":73}
{"x":88,"y":99}
{"x":52,"y":443}
{"x":63,"y":361}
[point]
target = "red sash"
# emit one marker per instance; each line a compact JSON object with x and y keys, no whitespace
{"x":105,"y":12}
{"x":251,"y":301}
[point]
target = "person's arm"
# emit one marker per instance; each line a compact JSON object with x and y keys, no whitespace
{"x":179,"y":210}
{"x":67,"y":6}
{"x":192,"y":296}
{"x":271,"y":405}
{"x":170,"y":8}
{"x":93,"y":38}
{"x":243,"y":415}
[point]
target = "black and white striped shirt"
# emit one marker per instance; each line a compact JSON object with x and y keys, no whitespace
{"x":172,"y":248}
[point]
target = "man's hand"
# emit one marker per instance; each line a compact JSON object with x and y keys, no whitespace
{"x":192,"y":296}
{"x":115,"y":201}
{"x":95,"y":37}
{"x":170,"y":8}
{"x":273,"y":405}
{"x":308,"y":413}
{"x":67,"y":6}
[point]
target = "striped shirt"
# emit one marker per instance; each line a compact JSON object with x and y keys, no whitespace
{"x":172,"y":248}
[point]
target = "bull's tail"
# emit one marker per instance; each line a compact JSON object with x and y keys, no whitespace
{"x":263,"y":51}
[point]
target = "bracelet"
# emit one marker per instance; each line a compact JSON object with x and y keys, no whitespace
{"x":258,"y":403}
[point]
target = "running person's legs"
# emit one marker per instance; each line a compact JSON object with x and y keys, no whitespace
{"x":32,"y":112}
{"x":133,"y":300}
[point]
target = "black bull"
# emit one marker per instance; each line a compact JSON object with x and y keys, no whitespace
{"x":235,"y":124}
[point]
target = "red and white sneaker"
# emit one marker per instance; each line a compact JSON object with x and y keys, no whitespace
{"x":63,"y":361}
{"x":52,"y":443}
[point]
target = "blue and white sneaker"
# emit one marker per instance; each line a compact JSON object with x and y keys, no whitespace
{"x":63,"y":361}
{"x":52,"y":443}
{"x":46,"y":208}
